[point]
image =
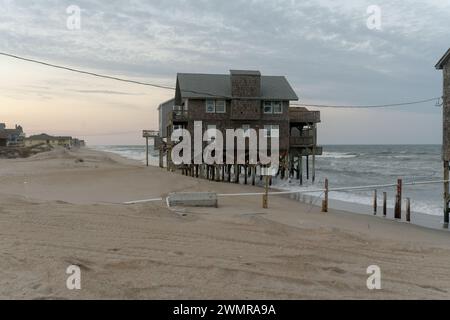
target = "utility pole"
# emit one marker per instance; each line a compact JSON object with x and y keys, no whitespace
{"x":444,"y":65}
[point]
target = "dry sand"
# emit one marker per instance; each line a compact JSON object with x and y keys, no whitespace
{"x":55,"y":212}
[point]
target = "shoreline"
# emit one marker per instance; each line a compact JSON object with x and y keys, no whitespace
{"x":67,"y":214}
{"x":421,"y":219}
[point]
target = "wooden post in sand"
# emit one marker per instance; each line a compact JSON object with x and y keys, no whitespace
{"x":266,"y":192}
{"x":384,"y":204}
{"x":398,"y":200}
{"x":408,"y":209}
{"x":375,"y":202}
{"x":325,"y":201}
{"x":146,"y":150}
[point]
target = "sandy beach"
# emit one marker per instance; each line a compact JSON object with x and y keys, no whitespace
{"x":57,"y":211}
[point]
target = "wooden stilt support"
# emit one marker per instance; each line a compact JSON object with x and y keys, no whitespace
{"x":301,"y":169}
{"x":146,"y":150}
{"x":325,"y":201}
{"x":398,"y":200}
{"x":307,"y":168}
{"x":446,"y":194}
{"x":246,"y":174}
{"x":314,"y":166}
{"x":253,"y":175}
{"x":408,"y":209}
{"x":375,"y":202}
{"x":384,"y":204}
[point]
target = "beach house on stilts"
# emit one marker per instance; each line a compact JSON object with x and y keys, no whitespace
{"x":244,"y":100}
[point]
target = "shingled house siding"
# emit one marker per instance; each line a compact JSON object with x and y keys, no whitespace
{"x":245,"y":86}
{"x":446,"y":117}
{"x":246,"y":109}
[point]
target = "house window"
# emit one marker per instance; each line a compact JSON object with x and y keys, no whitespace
{"x":210,"y":106}
{"x":268,"y":107}
{"x":277,"y":107}
{"x":273,"y":107}
{"x":272,"y":131}
{"x":215,"y":106}
{"x":220,"y":106}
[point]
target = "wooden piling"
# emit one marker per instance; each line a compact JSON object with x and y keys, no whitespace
{"x":408,"y":209}
{"x":307,"y":168}
{"x":385,"y":204}
{"x":253,"y":175}
{"x":301,"y":169}
{"x":446,"y":194}
{"x":325,"y":201}
{"x":146,"y":150}
{"x":246,"y":174}
{"x":266,"y":193}
{"x":375,"y":202}
{"x":314,"y":166}
{"x":398,"y":200}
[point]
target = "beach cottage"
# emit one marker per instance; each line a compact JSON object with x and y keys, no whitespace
{"x":245,"y":100}
{"x":11,"y":137}
{"x":49,"y":140}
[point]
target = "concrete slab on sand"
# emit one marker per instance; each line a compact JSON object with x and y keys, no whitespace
{"x":193,"y":199}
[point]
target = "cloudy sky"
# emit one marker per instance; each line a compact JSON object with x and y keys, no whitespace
{"x":323,"y":47}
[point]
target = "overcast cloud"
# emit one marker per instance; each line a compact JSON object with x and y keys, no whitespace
{"x":323,"y":47}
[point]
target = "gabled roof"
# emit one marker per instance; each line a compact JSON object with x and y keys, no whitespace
{"x":196,"y":85}
{"x":443,"y":61}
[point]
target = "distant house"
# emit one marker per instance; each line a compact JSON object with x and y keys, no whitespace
{"x":164,"y":110}
{"x":48,"y":139}
{"x":77,"y":143}
{"x":13,"y":137}
{"x":3,"y":139}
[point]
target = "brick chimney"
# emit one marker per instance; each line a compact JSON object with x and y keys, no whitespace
{"x":245,"y":83}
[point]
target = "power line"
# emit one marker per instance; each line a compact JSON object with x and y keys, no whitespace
{"x":86,"y":72}
{"x":366,"y":106}
{"x":209,"y":93}
{"x":103,"y":76}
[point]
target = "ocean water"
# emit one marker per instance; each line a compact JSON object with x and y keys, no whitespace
{"x":359,"y":165}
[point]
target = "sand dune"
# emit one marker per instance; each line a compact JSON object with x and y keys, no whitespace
{"x":57,"y":211}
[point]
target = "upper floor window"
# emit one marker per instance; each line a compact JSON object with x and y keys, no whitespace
{"x":215,"y":106}
{"x":210,"y":106}
{"x":273,"y":107}
{"x":220,"y":106}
